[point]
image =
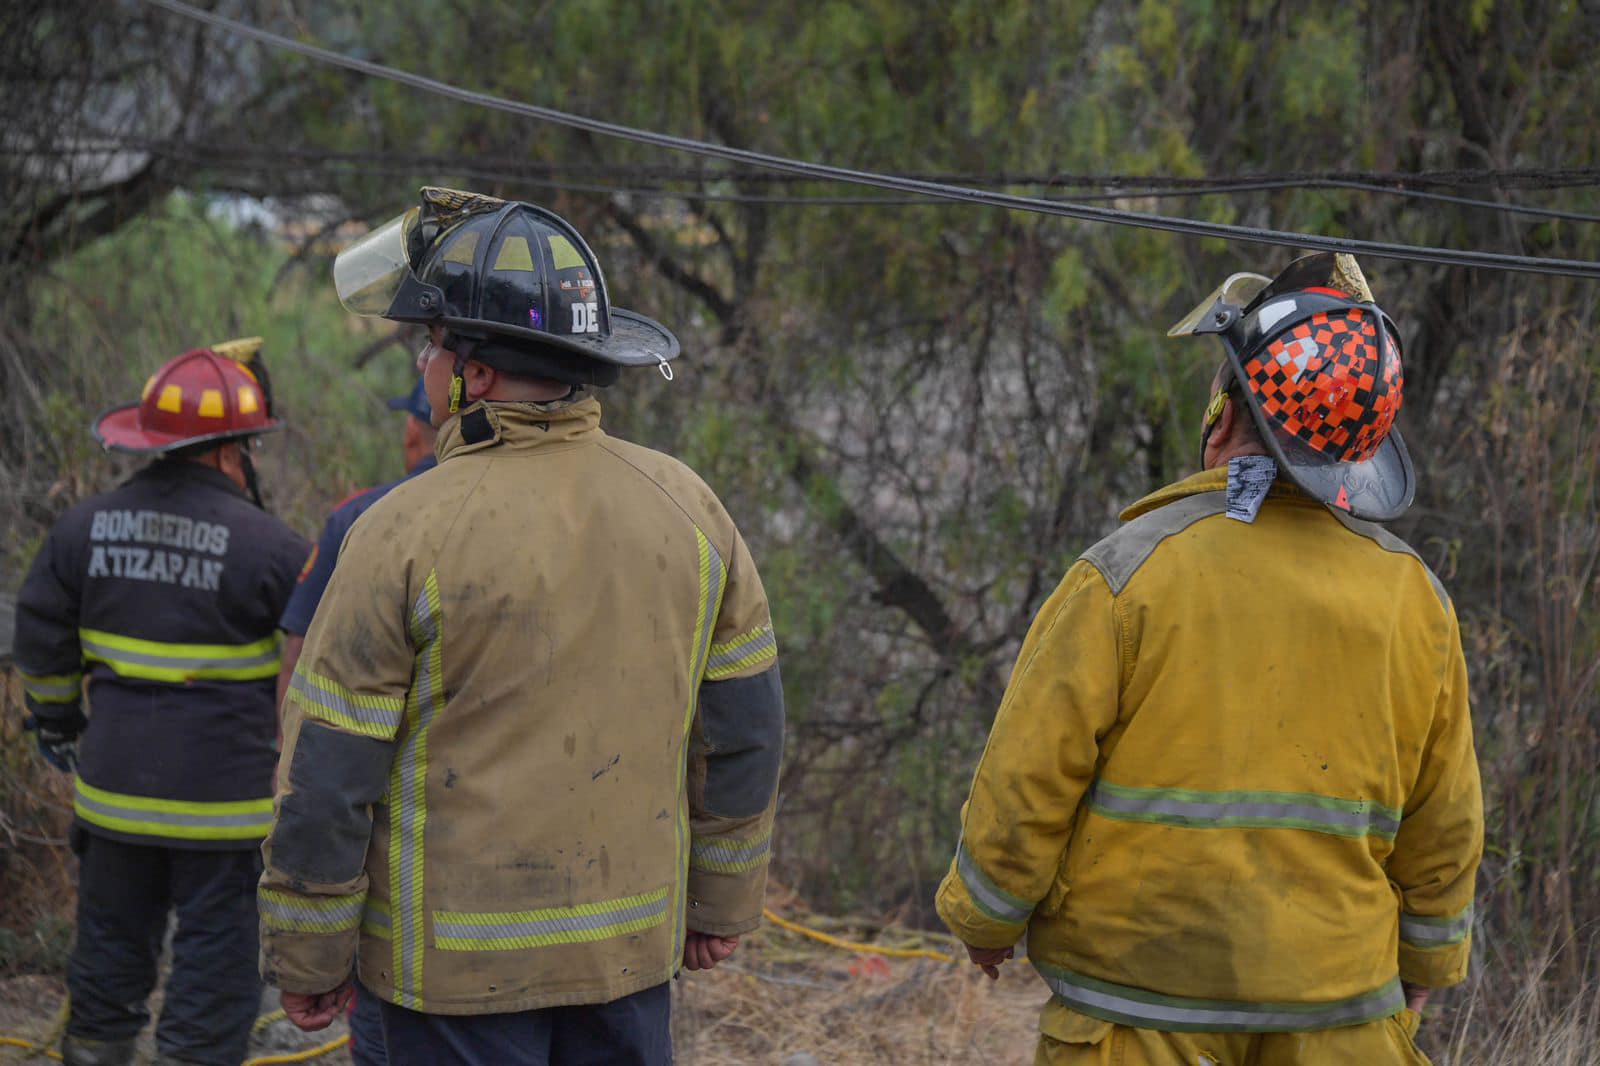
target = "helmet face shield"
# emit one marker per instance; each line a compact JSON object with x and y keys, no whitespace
{"x":1237,"y":291}
{"x":369,"y":273}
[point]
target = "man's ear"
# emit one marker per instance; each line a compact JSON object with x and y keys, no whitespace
{"x":1227,"y":421}
{"x":480,"y":380}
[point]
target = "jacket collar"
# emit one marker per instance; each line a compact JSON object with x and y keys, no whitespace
{"x":519,"y":427}
{"x":1213,"y":480}
{"x":181,"y":471}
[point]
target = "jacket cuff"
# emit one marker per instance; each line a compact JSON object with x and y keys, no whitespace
{"x":307,"y":963}
{"x":1438,"y":967}
{"x":58,"y":713}
{"x":969,"y":924}
{"x":725,"y":904}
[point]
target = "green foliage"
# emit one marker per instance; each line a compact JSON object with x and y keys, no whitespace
{"x":184,"y":277}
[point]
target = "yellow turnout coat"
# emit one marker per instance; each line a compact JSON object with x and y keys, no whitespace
{"x":1231,"y":786}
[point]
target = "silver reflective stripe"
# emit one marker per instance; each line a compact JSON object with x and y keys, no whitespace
{"x":194,"y":820}
{"x":762,"y":644}
{"x":1148,"y":1010}
{"x":375,"y":919}
{"x":993,"y":900}
{"x":64,"y":688}
{"x":555,"y":925}
{"x":114,"y":655}
{"x":260,"y":820}
{"x":371,"y":715}
{"x":334,"y":914}
{"x":409,"y":808}
{"x":1244,"y":810}
{"x":729,"y":856}
{"x":1424,"y":932}
{"x":711,"y":578}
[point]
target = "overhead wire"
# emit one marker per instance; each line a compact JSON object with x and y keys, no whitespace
{"x":1536,"y":178}
{"x":543,"y":176}
{"x":958,"y":193}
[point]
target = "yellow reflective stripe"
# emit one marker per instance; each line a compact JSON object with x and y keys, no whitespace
{"x":548,"y":926}
{"x":408,"y":806}
{"x":154,"y":660}
{"x":325,"y":699}
{"x":713,"y":581}
{"x":173,"y":819}
{"x":734,"y":656}
{"x":730,"y":855}
{"x":375,"y":919}
{"x":309,"y":914}
{"x":53,"y":688}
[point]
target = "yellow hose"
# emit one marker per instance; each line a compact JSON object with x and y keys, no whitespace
{"x":260,"y":1060}
{"x":268,"y":1018}
{"x":13,"y":1041}
{"x":851,"y":945}
{"x":299,"y":1056}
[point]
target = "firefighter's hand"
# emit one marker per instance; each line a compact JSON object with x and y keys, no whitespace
{"x":1416,"y":996}
{"x":58,"y":739}
{"x":313,"y":1012}
{"x":701,"y":951}
{"x":989,"y":959}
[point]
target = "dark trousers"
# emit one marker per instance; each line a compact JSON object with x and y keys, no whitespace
{"x":366,"y":1029}
{"x":632,"y":1031}
{"x":125,"y":892}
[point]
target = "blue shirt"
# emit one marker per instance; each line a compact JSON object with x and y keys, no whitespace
{"x":319,"y":568}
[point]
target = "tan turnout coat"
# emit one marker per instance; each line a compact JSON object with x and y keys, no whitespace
{"x":499,"y":747}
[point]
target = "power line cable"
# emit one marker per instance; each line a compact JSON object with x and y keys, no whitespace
{"x":1191,"y":227}
{"x":543,"y":175}
{"x":1525,"y":178}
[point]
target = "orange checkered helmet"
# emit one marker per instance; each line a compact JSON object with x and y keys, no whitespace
{"x":197,"y":398}
{"x":1320,"y":366}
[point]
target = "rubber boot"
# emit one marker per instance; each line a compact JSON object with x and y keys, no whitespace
{"x":81,"y":1051}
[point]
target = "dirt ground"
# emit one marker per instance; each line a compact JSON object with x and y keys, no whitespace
{"x":782,"y":999}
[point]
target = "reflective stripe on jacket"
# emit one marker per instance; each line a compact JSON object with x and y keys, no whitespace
{"x":547,"y":670}
{"x":164,"y":594}
{"x":1231,"y":785}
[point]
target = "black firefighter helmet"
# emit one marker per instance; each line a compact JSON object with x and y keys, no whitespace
{"x":514,"y":284}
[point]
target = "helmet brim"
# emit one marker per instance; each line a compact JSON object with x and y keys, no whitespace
{"x":635,"y":339}
{"x":1378,"y":490}
{"x":119,"y":430}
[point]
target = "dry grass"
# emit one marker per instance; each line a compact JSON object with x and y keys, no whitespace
{"x":1514,"y":1012}
{"x":785,"y":1000}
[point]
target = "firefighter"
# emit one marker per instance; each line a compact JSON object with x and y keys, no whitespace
{"x":164,"y":595}
{"x":1230,"y":793}
{"x":534,"y":735}
{"x":416,"y":446}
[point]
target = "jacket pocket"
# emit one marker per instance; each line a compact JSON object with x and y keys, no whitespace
{"x":1403,"y":1028}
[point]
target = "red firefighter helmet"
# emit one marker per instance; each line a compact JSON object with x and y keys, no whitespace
{"x":197,"y":398}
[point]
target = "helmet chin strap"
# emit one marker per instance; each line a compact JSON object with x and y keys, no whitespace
{"x":462,"y":347}
{"x":251,"y":483}
{"x":1219,"y":400}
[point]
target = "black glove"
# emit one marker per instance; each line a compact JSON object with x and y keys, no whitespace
{"x":58,"y":738}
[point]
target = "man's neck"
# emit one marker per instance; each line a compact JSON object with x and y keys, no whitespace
{"x":527,"y":392}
